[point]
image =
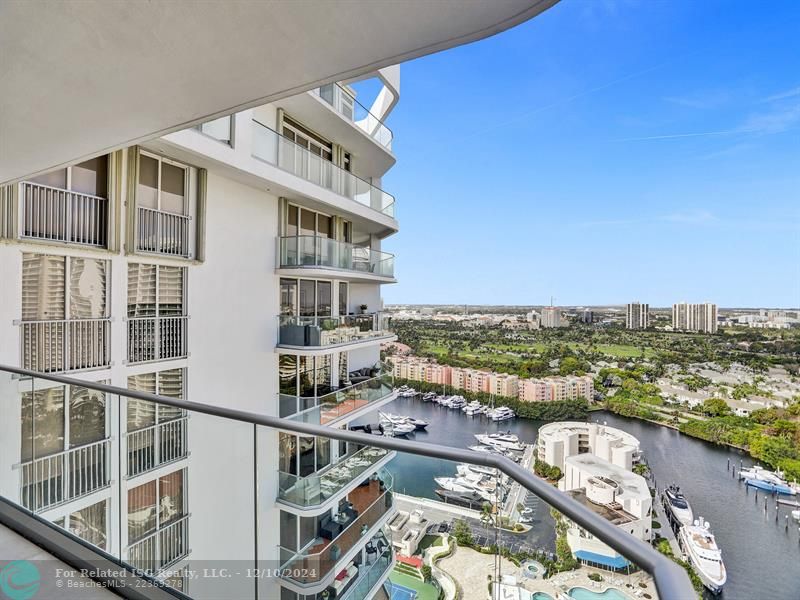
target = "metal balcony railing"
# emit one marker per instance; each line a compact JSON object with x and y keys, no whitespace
{"x":156,"y":338}
{"x":351,"y":109}
{"x":325,"y":410}
{"x":278,"y":151}
{"x":162,"y":548}
{"x":316,"y":251}
{"x":58,"y":215}
{"x":51,"y":480}
{"x":162,"y":232}
{"x":156,"y":445}
{"x":331,"y":331}
{"x":232,"y":434}
{"x":65,"y":345}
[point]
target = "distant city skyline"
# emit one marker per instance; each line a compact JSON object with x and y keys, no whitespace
{"x":604,"y":153}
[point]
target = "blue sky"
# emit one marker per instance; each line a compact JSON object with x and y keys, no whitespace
{"x":604,"y":152}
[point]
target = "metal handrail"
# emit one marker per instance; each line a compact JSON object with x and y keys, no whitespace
{"x":672,"y":581}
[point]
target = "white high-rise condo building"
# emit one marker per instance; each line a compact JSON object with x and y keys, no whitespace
{"x":695,"y":317}
{"x":551,"y":317}
{"x":113,"y":271}
{"x":637,"y":315}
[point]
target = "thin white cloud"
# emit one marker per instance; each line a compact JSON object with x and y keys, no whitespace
{"x":792,"y":93}
{"x":702,"y":100}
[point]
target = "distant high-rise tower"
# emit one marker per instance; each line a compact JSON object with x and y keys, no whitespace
{"x":551,"y":317}
{"x":587,"y":316}
{"x":695,"y":317}
{"x":637,"y":316}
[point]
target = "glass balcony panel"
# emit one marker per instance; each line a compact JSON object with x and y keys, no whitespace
{"x":330,"y":331}
{"x":315,"y":251}
{"x":160,"y":523}
{"x":367,"y":506}
{"x":351,"y":109}
{"x":324,"y":410}
{"x":315,"y":489}
{"x":278,"y":151}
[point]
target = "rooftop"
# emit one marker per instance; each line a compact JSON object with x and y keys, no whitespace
{"x":628,"y":484}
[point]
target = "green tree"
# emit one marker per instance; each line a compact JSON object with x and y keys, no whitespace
{"x":715,"y":407}
{"x":462,"y":533}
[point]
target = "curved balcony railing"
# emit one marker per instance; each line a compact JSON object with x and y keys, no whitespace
{"x":324,"y":410}
{"x":331,"y":331}
{"x":316,"y":488}
{"x":369,"y":576}
{"x":317,"y":561}
{"x":315,"y":251}
{"x":273,"y":148}
{"x":351,"y":109}
{"x":234,"y":493}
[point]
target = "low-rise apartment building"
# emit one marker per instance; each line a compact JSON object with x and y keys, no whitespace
{"x":547,"y":389}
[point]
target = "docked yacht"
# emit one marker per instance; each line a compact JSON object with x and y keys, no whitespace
{"x":473,"y":408}
{"x":464,"y":485}
{"x":467,"y":468}
{"x":501,"y":441}
{"x":703,"y":553}
{"x":403,"y":420}
{"x":761,"y":478}
{"x":428,"y":396}
{"x":457,"y":402}
{"x":395,"y":429}
{"x":501,"y":413}
{"x":678,"y":506}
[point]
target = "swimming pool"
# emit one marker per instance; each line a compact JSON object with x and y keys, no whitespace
{"x":533,"y":569}
{"x":579,"y":593}
{"x":541,"y":596}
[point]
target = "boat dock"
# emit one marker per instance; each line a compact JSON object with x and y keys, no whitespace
{"x":516,"y":492}
{"x":669,"y":526}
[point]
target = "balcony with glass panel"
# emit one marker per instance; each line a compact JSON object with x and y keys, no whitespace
{"x":271,"y":147}
{"x":371,"y":573}
{"x":358,"y":517}
{"x":345,"y":402}
{"x":316,"y":252}
{"x":296,"y":332}
{"x":317,"y":488}
{"x":345,"y":103}
{"x":159,"y":516}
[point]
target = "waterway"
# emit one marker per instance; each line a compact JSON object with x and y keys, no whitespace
{"x":762,"y":558}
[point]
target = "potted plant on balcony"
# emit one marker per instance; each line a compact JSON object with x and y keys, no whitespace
{"x":335,"y":552}
{"x":363,"y":308}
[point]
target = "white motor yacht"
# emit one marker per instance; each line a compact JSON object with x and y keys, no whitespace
{"x":501,"y":413}
{"x":703,"y":553}
{"x":501,"y":441}
{"x":678,"y":506}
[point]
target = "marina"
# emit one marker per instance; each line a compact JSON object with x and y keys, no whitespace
{"x":738,"y":516}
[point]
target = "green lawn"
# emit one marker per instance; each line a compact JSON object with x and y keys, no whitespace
{"x":425,"y":591}
{"x":428,"y":541}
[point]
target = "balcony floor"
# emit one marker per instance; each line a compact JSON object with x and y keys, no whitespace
{"x":73,"y":585}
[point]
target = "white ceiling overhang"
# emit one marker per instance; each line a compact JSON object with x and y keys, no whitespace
{"x":83,"y":78}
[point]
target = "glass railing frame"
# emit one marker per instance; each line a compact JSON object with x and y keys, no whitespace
{"x":339,"y":176}
{"x":315,"y":328}
{"x":388,"y":552}
{"x":385,"y":143}
{"x":338,"y":255}
{"x":286,"y":568}
{"x":331,"y":399}
{"x":282,"y":476}
{"x":671,"y":580}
